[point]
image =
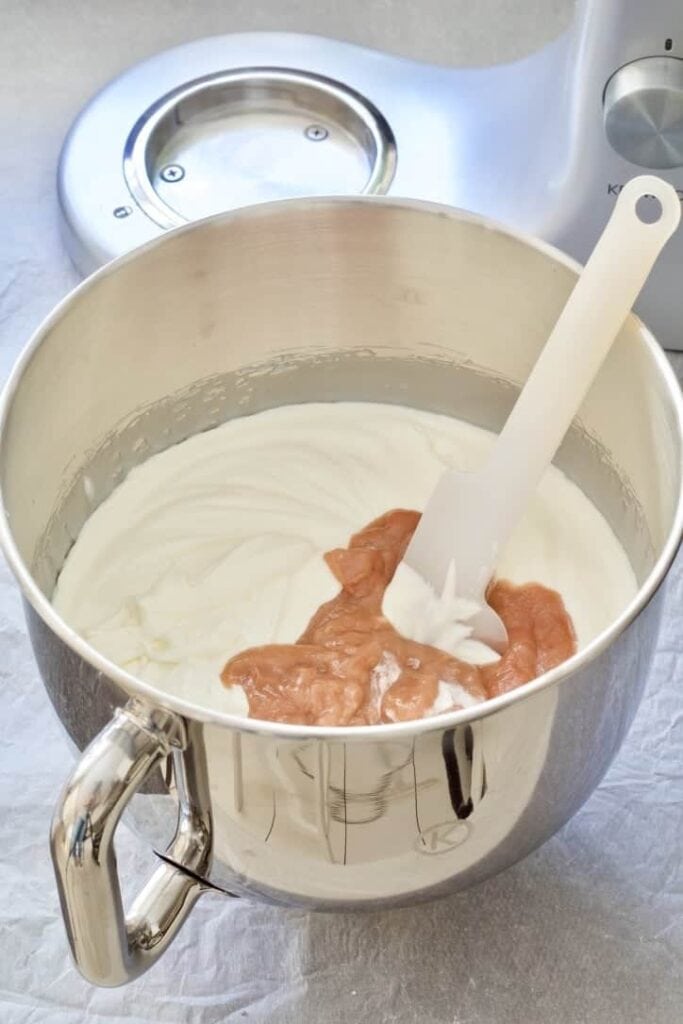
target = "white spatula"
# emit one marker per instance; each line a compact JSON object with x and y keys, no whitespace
{"x":470,"y":516}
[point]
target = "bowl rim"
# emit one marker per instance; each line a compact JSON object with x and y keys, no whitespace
{"x":136,"y":687}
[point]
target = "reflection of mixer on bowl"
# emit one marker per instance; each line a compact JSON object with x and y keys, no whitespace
{"x":186,"y":556}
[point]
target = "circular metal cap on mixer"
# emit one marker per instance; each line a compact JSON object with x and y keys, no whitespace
{"x":242,"y":137}
{"x":179,"y":137}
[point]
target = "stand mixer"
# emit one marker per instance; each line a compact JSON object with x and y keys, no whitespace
{"x":543,"y":144}
{"x":524,"y":143}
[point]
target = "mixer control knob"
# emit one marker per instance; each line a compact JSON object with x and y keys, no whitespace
{"x":643,"y":110}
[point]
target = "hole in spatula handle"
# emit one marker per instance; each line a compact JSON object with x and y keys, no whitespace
{"x":649,"y":209}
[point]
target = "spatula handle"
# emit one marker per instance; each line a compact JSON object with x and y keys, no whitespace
{"x":578,"y":344}
{"x":470,"y":516}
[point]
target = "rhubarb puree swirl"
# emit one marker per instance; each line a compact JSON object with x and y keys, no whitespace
{"x":351,"y":667}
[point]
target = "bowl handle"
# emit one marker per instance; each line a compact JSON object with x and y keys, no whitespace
{"x":109,"y":947}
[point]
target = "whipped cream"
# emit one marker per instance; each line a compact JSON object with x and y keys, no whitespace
{"x":443,"y":620}
{"x":216,"y":544}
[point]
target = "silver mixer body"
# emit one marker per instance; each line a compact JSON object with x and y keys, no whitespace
{"x":542,"y":144}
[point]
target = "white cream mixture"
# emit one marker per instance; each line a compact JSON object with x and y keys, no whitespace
{"x":216,"y":544}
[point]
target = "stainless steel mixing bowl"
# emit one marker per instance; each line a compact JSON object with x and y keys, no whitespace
{"x":293,"y":302}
